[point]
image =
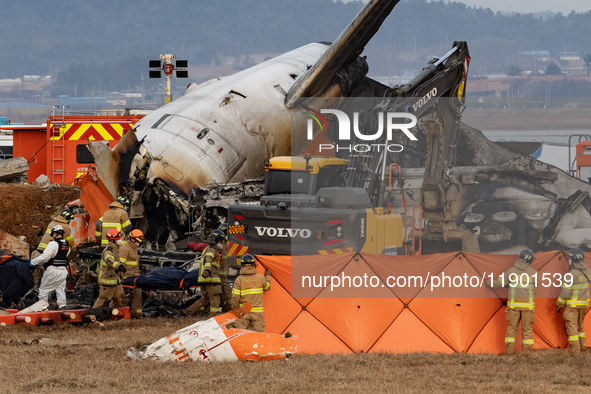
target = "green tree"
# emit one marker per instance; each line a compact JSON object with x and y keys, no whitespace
{"x":553,"y":69}
{"x":587,"y":60}
{"x":513,"y":71}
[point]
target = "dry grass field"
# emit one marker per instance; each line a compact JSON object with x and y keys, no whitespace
{"x":80,"y":359}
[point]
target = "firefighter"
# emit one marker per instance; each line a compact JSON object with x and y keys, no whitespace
{"x":209,"y":279}
{"x":129,"y":256}
{"x":520,"y":302}
{"x":63,"y":219}
{"x":574,"y":298}
{"x":54,"y":277}
{"x":249,"y":287}
{"x":114,"y":218}
{"x":108,"y":272}
{"x":224,"y":269}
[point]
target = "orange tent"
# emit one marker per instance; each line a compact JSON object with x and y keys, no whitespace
{"x":387,"y":315}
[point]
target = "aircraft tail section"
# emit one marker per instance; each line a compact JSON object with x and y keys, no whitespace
{"x":344,"y":50}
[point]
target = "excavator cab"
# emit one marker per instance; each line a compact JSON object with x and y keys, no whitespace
{"x":303,"y":174}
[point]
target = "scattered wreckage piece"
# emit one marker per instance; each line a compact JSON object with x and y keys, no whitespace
{"x":211,"y":340}
{"x":508,"y":201}
{"x":223,"y":194}
{"x":13,"y":168}
{"x":69,"y":316}
{"x":94,"y":195}
{"x":150,"y":260}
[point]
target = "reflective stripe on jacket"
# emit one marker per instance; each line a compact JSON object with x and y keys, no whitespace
{"x":209,"y":263}
{"x":520,"y":297}
{"x":249,"y":287}
{"x":109,"y":263}
{"x":129,"y":256}
{"x":577,"y":294}
{"x":114,"y":218}
{"x":222,"y":259}
{"x":47,"y":235}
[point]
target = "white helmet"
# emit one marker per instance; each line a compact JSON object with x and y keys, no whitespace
{"x":57,"y":230}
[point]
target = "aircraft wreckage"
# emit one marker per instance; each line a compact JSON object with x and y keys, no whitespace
{"x":185,"y":163}
{"x":215,"y":340}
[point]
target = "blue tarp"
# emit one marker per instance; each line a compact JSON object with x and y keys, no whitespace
{"x":15,"y":279}
{"x":164,"y":279}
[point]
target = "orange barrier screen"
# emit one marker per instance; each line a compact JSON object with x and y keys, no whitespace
{"x":402,"y":320}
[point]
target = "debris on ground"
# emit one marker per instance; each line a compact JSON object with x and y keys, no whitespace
{"x":13,"y":168}
{"x":212,"y":340}
{"x":34,"y":341}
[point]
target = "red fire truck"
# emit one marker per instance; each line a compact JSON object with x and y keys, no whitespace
{"x":59,"y":150}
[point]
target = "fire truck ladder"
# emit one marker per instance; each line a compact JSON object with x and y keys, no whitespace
{"x":58,"y":129}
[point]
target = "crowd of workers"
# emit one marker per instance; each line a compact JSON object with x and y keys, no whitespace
{"x":120,"y":259}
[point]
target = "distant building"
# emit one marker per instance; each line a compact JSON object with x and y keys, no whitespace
{"x":569,"y":56}
{"x":541,"y":55}
{"x":10,"y":82}
{"x":80,"y":103}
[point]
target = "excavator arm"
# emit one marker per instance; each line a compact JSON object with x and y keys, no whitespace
{"x":439,"y":87}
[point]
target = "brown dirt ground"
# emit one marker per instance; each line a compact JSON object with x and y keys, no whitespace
{"x":86,"y":359}
{"x":27,"y":209}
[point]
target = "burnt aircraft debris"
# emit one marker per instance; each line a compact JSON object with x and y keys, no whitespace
{"x":184,"y":163}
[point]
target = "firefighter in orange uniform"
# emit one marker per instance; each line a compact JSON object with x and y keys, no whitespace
{"x":249,"y":287}
{"x":129,"y":256}
{"x":114,"y":218}
{"x":574,"y":298}
{"x":521,"y":301}
{"x":108,"y":273}
{"x":209,"y":279}
{"x":224,"y":270}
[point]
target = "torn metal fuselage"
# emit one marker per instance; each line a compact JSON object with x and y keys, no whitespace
{"x":208,"y":148}
{"x":505,"y":201}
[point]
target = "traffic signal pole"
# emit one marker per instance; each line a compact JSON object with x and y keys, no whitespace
{"x":168,"y":67}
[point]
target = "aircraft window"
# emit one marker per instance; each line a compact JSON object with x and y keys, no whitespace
{"x":278,"y":87}
{"x":238,"y":93}
{"x":155,"y":125}
{"x":202,"y":133}
{"x":210,"y":141}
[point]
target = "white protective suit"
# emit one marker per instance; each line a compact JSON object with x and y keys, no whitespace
{"x":54,"y":278}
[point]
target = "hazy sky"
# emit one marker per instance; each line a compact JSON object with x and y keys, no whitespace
{"x":564,"y":6}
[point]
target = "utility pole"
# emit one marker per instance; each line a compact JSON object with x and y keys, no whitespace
{"x":168,"y":67}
